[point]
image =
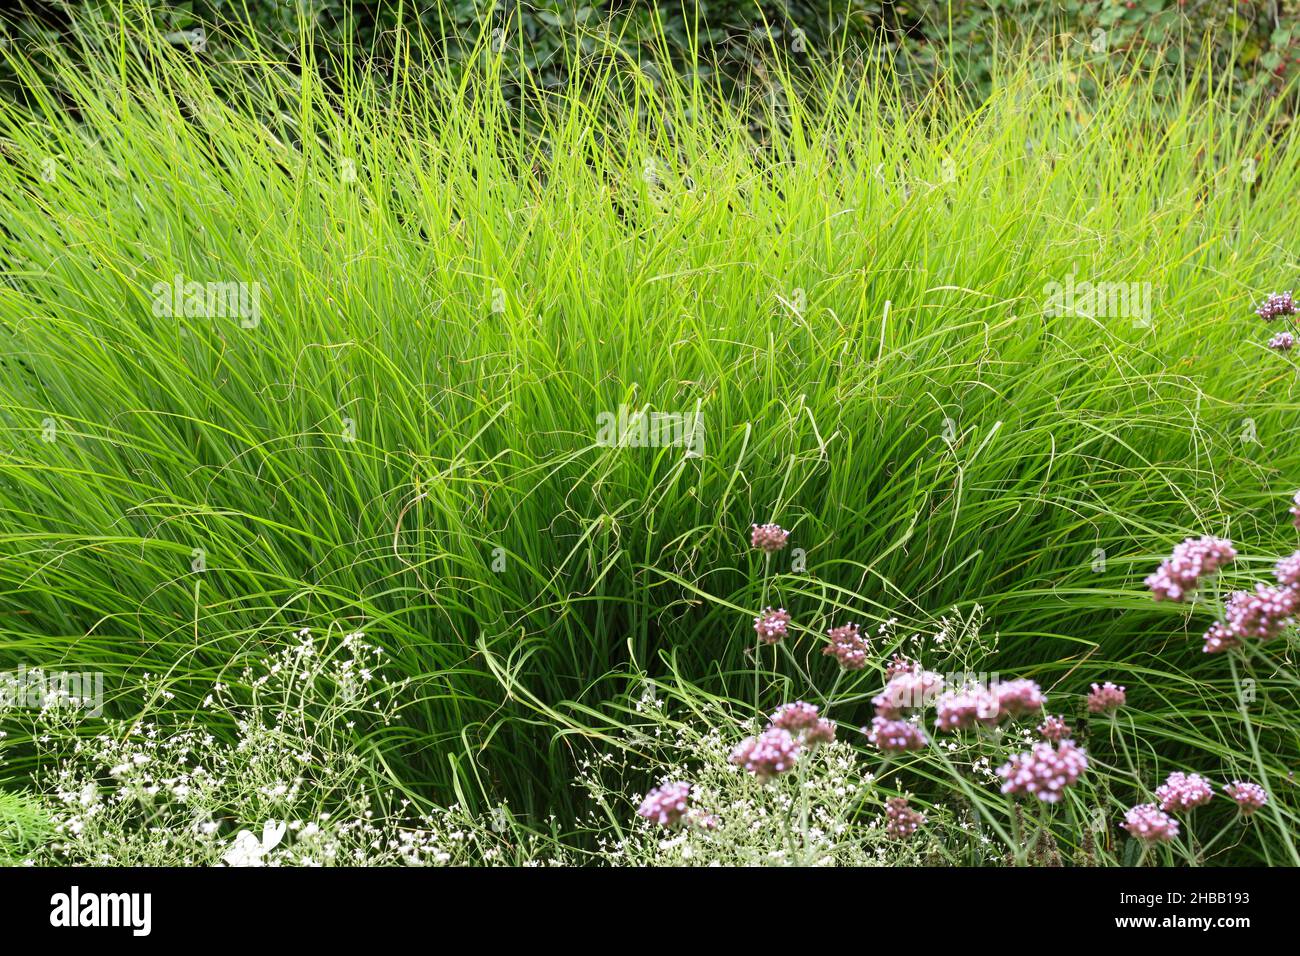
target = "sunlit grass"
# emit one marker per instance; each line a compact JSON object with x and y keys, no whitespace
{"x":851,"y":291}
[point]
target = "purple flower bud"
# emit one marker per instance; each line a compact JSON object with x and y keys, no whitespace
{"x":667,"y":804}
{"x":1248,"y":796}
{"x":1044,"y":771}
{"x":770,"y":754}
{"x":1282,"y":342}
{"x":1183,"y":791}
{"x":848,"y":646}
{"x":768,"y":537}
{"x":1275,"y":305}
{"x":1106,"y":698}
{"x":901,"y":821}
{"x":1054,"y":729}
{"x":772,"y":626}
{"x":1180,"y":573}
{"x":1287,"y":571}
{"x":895,"y":736}
{"x":1262,"y":614}
{"x":1148,"y":822}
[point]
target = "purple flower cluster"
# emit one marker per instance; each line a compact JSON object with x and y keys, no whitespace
{"x":907,"y":690}
{"x":1249,"y":797}
{"x":1196,"y":558}
{"x":1262,"y":614}
{"x":1282,"y":342}
{"x":959,"y":709}
{"x":1044,"y":770}
{"x":901,"y":821}
{"x":666,"y":805}
{"x":1275,"y":305}
{"x":1287,"y":571}
{"x":768,"y":755}
{"x":794,"y":717}
{"x":1184,"y":791}
{"x":1106,"y":698}
{"x":1054,"y":729}
{"x":969,"y":706}
{"x":804,"y":721}
{"x":895,"y":736}
{"x":848,"y":646}
{"x":1018,"y":697}
{"x":772,"y":626}
{"x":768,"y":537}
{"x":1295,"y":509}
{"x":1148,"y":822}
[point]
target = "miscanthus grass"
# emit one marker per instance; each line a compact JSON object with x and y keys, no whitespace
{"x":509,"y":379}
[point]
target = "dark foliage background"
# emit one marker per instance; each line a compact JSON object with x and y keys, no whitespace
{"x":1256,"y":40}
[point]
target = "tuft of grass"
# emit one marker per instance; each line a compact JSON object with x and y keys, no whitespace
{"x":847,"y":285}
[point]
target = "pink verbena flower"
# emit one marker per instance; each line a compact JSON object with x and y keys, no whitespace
{"x":1275,"y":305}
{"x":1044,"y":770}
{"x":1148,"y":822}
{"x":895,"y":736}
{"x":804,"y":722}
{"x":770,"y":754}
{"x":907,"y":690}
{"x":901,"y":821}
{"x":1295,"y":509}
{"x":822,"y":732}
{"x":1287,"y":571}
{"x":1248,"y":796}
{"x":666,"y":805}
{"x":847,"y":646}
{"x":958,"y":709}
{"x":1106,"y":698}
{"x":768,"y":537}
{"x":1262,"y":614}
{"x":1282,"y":342}
{"x":772,"y":626}
{"x":898,"y":664}
{"x":1180,"y":573}
{"x":1182,"y":791}
{"x":795,"y":717}
{"x":1017,"y":697}
{"x":1054,"y":729}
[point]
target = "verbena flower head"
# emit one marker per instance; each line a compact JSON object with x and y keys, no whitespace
{"x":1295,"y":509}
{"x":1279,"y":303}
{"x":795,"y":717}
{"x":1017,"y":697}
{"x":1262,"y":614}
{"x":1282,"y":342}
{"x":959,"y":709}
{"x":1148,"y":822}
{"x":1106,"y":698}
{"x":804,"y":722}
{"x":770,"y":754}
{"x":847,"y":646}
{"x":1054,"y":729}
{"x":772,"y":625}
{"x":1180,"y":574}
{"x":901,"y":821}
{"x":1183,"y":791}
{"x":768,"y":537}
{"x":822,"y":732}
{"x":1043,"y":771}
{"x":1249,"y":797}
{"x":1287,"y":571}
{"x":898,"y":664}
{"x":907,"y":690}
{"x":895,"y":736}
{"x":666,"y":805}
